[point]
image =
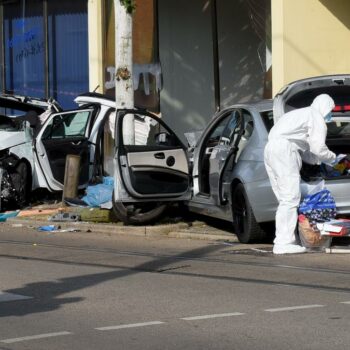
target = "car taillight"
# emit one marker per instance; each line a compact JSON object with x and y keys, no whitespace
{"x":344,"y":108}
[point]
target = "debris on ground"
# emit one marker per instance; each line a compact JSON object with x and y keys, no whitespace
{"x":96,"y":215}
{"x":98,"y":195}
{"x":35,"y":211}
{"x":48,"y":228}
{"x":56,"y":228}
{"x":75,"y":202}
{"x":6,"y":215}
{"x":65,"y":217}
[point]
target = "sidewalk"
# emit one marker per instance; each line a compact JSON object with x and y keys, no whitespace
{"x":193,"y":230}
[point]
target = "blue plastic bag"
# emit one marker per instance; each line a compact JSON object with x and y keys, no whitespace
{"x":48,"y":228}
{"x":320,"y":200}
{"x":318,"y":207}
{"x":100,"y":193}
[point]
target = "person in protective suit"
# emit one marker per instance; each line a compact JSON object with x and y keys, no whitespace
{"x":298,"y":135}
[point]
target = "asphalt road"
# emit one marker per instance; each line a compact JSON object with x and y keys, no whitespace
{"x":95,"y":291}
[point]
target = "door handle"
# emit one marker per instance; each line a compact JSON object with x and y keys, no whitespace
{"x":159,"y":155}
{"x":76,"y":143}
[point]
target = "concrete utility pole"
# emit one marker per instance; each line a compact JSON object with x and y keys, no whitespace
{"x":124,"y":90}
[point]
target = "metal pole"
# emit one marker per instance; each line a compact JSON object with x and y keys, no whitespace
{"x":214,"y":25}
{"x":71,"y":177}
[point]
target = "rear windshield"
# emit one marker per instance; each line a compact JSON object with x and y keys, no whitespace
{"x":340,"y":95}
{"x":339,"y":127}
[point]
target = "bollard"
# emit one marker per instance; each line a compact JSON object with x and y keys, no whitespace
{"x":71,"y":177}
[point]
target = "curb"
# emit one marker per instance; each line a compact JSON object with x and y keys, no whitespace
{"x":178,"y":230}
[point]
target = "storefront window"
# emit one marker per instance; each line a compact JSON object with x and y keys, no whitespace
{"x":45,"y":49}
{"x":24,"y":48}
{"x":244,"y":50}
{"x":194,"y":57}
{"x":68,"y":50}
{"x":186,"y":55}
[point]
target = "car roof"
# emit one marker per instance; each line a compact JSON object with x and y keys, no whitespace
{"x":261,"y":106}
{"x":264,"y":105}
{"x":23,"y":103}
{"x":89,"y":97}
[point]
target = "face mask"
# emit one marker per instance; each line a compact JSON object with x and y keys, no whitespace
{"x":328,"y":117}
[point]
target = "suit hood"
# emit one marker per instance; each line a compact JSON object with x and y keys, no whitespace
{"x":323,"y":104}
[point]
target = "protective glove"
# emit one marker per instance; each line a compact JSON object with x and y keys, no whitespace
{"x":338,"y":159}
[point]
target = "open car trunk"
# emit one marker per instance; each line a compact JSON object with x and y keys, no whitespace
{"x":300,"y":94}
{"x":338,"y":141}
{"x":313,"y":172}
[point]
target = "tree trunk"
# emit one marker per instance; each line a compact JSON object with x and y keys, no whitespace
{"x":124,"y":90}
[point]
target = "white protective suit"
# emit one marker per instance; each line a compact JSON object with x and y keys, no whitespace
{"x":298,"y":135}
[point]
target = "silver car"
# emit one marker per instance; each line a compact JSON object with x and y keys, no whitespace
{"x":223,"y":174}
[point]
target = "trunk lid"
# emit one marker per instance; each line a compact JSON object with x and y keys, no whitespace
{"x":301,"y":93}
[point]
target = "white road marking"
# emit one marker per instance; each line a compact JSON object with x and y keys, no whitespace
{"x":131,"y":325}
{"x":204,"y":317}
{"x":345,"y":302}
{"x":294,"y":308}
{"x":11,"y":297}
{"x":33,"y":337}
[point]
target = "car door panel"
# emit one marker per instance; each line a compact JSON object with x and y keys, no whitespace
{"x":63,"y":134}
{"x":160,"y":158}
{"x":57,"y":156}
{"x":151,"y":169}
{"x":224,"y":154}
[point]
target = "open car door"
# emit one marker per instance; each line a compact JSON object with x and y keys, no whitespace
{"x":224,"y":155}
{"x":151,"y":162}
{"x":62,"y":134}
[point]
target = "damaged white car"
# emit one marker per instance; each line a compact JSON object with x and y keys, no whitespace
{"x":36,"y":135}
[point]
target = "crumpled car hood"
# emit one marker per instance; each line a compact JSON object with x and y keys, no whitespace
{"x":10,"y":139}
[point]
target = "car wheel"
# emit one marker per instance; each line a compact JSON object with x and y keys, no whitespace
{"x":138,"y":213}
{"x":20,"y":182}
{"x":245,"y":225}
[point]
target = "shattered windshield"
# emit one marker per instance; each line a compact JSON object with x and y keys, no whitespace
{"x":10,"y":124}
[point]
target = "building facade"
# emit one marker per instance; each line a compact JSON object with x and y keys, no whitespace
{"x":191,"y":58}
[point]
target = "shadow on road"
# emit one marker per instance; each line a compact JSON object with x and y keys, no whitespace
{"x":48,"y":298}
{"x":46,"y":295}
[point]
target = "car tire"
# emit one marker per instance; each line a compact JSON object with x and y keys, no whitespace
{"x":245,"y":225}
{"x":138,"y":213}
{"x":20,"y":179}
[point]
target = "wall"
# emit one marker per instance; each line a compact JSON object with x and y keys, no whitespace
{"x":309,"y":38}
{"x":185,"y":46}
{"x":96,"y":47}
